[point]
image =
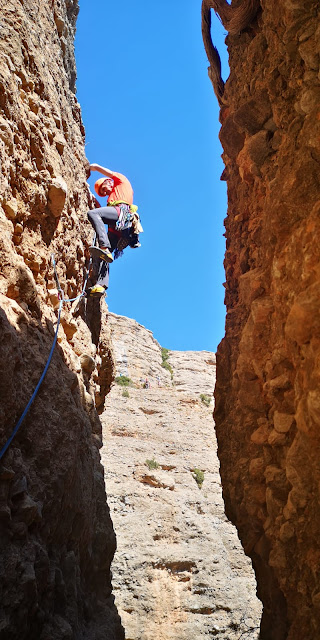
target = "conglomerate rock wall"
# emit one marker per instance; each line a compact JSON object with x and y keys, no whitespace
{"x":57,"y":539}
{"x":268,"y":365}
{"x":179,"y":571}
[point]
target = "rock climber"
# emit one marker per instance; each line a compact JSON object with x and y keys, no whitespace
{"x":122,"y":219}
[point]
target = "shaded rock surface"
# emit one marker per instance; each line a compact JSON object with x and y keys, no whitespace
{"x":56,"y":535}
{"x":267,"y":393}
{"x":179,"y":570}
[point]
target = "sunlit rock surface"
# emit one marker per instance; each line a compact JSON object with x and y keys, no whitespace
{"x":179,"y":570}
{"x":268,"y":372}
{"x":56,"y":536}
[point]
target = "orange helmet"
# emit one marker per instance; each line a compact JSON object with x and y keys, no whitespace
{"x":99,"y":188}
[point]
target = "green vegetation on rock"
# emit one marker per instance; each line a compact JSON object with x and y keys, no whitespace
{"x":198,"y":475}
{"x":124,"y":381}
{"x":205,"y":399}
{"x":152,"y":464}
{"x":165,"y":364}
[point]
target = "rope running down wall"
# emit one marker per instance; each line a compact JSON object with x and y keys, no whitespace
{"x":63,"y":300}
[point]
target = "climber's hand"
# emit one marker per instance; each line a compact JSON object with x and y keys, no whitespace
{"x":103,"y":170}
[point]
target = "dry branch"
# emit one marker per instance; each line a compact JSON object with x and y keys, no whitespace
{"x":234,"y":19}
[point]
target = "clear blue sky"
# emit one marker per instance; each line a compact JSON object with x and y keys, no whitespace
{"x":150,"y":113}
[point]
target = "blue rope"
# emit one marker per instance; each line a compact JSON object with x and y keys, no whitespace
{"x":61,"y":303}
{"x":18,"y":425}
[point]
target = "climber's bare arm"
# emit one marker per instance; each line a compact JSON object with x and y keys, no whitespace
{"x":103,"y":170}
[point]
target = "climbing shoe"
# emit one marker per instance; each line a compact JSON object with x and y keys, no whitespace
{"x":97,"y":291}
{"x":101,"y":254}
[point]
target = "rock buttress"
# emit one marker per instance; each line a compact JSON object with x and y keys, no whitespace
{"x":268,"y":372}
{"x":57,"y":539}
{"x":179,"y":571}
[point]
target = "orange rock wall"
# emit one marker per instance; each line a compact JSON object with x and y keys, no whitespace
{"x":57,"y":539}
{"x":268,"y":365}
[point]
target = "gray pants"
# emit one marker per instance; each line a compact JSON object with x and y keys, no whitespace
{"x":100,"y":217}
{"x":101,"y":268}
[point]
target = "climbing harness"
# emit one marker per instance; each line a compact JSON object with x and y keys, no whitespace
{"x":62,"y":301}
{"x":127,"y":227}
{"x":125,"y":218}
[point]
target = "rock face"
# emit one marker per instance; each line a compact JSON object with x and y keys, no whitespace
{"x":57,"y":539}
{"x":179,"y":571}
{"x":267,"y":393}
